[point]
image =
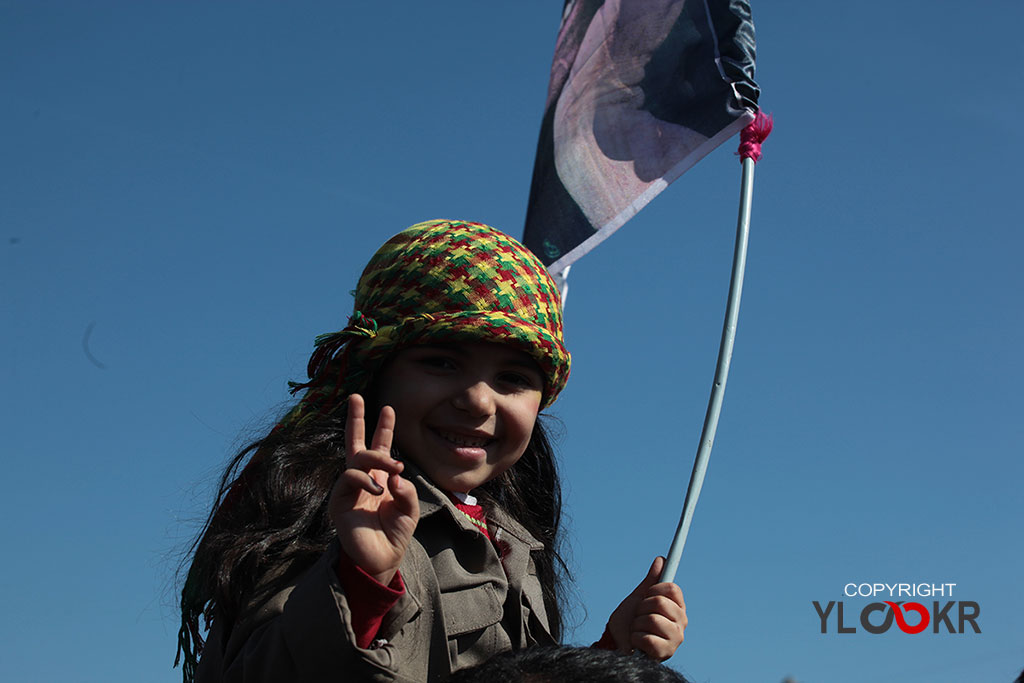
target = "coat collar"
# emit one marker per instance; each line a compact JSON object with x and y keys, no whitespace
{"x":433,"y":500}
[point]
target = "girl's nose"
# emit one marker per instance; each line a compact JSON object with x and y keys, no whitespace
{"x":476,"y":399}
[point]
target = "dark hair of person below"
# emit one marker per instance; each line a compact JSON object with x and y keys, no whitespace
{"x":551,"y":664}
{"x":269,"y":522}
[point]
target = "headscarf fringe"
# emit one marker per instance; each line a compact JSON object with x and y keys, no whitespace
{"x":330,"y":346}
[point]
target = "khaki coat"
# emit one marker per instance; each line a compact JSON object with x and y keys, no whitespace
{"x":463,"y":603}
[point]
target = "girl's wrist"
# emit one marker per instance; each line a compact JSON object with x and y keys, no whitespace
{"x":350,"y":566}
{"x":384,"y":578}
{"x":382,"y":575}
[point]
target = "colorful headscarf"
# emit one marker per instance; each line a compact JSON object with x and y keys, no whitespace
{"x":440,"y":281}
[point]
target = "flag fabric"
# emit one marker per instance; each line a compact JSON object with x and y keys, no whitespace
{"x":639,"y":93}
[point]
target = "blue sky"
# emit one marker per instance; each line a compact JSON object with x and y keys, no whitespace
{"x":189,"y":190}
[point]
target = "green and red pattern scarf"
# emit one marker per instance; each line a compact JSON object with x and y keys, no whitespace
{"x":439,"y":281}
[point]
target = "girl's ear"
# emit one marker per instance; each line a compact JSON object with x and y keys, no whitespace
{"x":371,"y":391}
{"x":371,"y":395}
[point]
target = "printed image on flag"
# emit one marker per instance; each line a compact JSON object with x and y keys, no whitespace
{"x":639,"y":93}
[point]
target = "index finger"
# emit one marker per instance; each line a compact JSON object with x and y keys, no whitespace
{"x":355,"y":425}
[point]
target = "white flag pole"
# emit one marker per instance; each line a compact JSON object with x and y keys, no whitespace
{"x":750,"y":143}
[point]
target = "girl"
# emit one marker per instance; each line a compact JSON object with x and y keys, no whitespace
{"x":402,"y":521}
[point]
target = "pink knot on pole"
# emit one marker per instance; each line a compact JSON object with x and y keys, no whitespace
{"x":753,"y":135}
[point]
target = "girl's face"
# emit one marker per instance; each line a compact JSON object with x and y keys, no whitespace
{"x":464,"y":411}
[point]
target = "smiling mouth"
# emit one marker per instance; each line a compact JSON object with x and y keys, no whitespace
{"x":462,"y":440}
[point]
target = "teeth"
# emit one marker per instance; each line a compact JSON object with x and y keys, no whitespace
{"x":464,"y":441}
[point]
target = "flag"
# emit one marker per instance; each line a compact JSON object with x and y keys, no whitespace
{"x":640,"y":91}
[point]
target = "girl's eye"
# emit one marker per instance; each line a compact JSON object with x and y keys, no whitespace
{"x":519,"y":380}
{"x":438,"y":362}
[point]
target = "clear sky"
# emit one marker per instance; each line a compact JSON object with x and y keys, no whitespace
{"x":189,"y":190}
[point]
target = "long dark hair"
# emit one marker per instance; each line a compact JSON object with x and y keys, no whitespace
{"x":269,"y":521}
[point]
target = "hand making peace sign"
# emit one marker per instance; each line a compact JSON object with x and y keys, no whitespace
{"x":373,"y":509}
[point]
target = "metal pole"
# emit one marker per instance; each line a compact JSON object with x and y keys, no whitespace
{"x":707,"y":436}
